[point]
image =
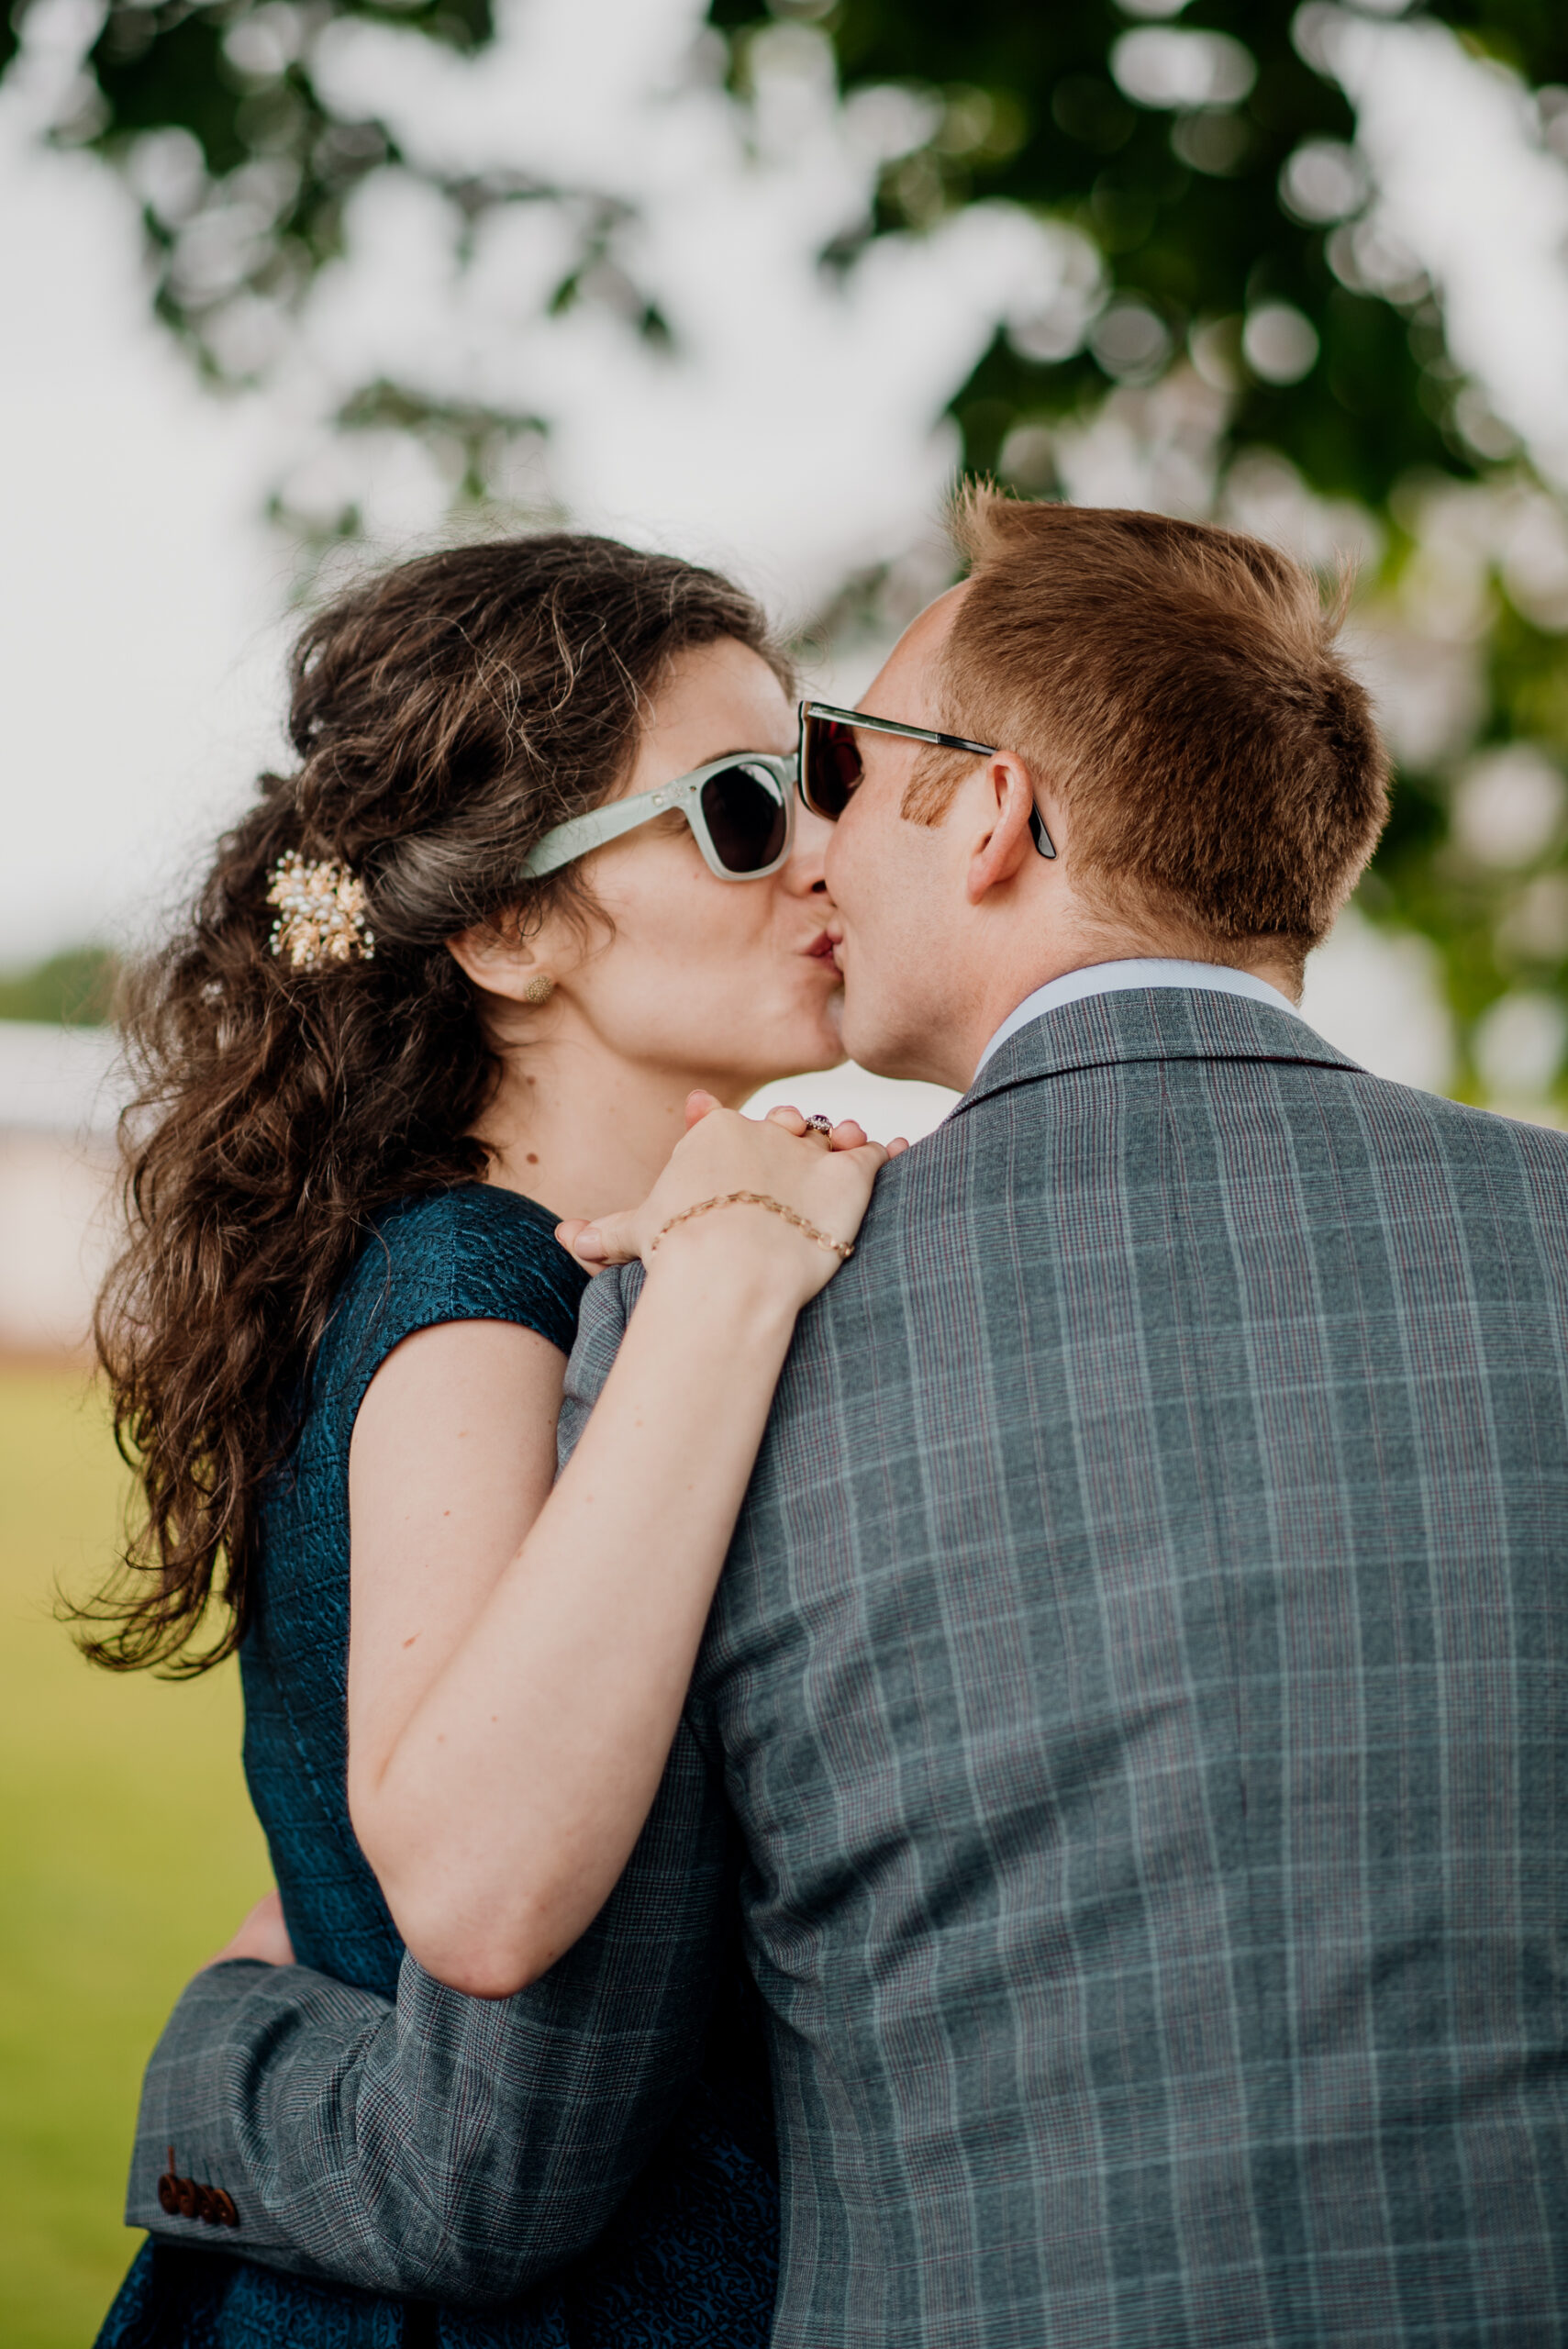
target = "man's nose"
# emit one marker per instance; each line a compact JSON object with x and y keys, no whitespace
{"x":803,"y":874}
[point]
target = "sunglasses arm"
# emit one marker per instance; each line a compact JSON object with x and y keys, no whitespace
{"x":571,"y":840}
{"x":857,"y":718}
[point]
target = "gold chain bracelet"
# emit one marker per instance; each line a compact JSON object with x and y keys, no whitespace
{"x":844,"y":1248}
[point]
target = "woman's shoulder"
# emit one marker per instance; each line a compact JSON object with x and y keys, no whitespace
{"x":472,"y":1253}
{"x":471,"y":1220}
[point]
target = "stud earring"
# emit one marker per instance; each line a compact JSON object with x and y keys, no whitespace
{"x":539,"y":989}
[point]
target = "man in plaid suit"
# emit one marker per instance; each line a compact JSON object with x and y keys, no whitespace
{"x":1138,"y":1678}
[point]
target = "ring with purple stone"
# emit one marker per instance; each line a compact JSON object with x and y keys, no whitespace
{"x":819,"y":1124}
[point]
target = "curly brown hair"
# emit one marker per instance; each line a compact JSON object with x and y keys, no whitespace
{"x":445,"y":716}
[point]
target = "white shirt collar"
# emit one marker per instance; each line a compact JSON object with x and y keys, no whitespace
{"x":1146,"y":971}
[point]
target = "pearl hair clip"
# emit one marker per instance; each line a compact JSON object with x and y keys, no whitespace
{"x":322,"y":910}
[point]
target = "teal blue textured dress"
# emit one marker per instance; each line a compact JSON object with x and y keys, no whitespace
{"x":692,"y":2258}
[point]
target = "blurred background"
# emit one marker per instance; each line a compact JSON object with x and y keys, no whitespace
{"x":294,"y":287}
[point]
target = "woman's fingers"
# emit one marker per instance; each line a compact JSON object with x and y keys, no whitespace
{"x":587,"y":1242}
{"x":805,"y":1129}
{"x":607,"y":1239}
{"x":699,"y":1105}
{"x":848,"y":1134}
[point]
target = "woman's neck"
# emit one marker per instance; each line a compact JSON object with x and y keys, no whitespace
{"x":581,"y":1130}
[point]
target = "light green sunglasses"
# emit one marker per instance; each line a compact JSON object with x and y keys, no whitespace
{"x":741,"y":810}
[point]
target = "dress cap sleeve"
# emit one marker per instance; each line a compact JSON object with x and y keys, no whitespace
{"x":473,"y":1253}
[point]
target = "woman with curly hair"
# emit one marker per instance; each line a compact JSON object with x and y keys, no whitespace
{"x":534,"y":903}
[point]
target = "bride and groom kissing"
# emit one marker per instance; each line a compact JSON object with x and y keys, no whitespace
{"x":1084,"y":1870}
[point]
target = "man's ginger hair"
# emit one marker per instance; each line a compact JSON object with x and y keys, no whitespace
{"x":1179,"y":689}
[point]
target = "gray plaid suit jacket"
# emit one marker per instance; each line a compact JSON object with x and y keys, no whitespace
{"x":1138,"y":1680}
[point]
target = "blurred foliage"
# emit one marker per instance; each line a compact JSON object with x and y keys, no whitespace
{"x":212,"y":105}
{"x":1231,"y":219}
{"x":76,"y":987}
{"x":1185,"y":204}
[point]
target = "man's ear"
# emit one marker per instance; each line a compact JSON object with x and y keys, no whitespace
{"x":1006,"y":842}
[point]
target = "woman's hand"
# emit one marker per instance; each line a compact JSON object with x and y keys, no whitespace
{"x":263,"y":1936}
{"x":825,"y":1179}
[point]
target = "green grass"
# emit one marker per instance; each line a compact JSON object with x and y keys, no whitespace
{"x":76,"y":987}
{"x":128,"y":1853}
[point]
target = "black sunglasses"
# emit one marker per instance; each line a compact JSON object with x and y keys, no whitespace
{"x":831,"y":761}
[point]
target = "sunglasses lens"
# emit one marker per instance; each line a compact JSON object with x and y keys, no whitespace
{"x":747,"y":819}
{"x":832,"y":766}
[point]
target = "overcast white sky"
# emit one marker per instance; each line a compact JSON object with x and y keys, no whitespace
{"x":137,"y":595}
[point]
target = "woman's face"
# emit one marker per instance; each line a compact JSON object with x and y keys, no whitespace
{"x":726,"y":982}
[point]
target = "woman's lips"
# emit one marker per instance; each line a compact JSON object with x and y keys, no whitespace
{"x":821,"y":950}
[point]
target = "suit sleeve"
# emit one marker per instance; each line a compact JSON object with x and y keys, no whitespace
{"x":450,"y":2147}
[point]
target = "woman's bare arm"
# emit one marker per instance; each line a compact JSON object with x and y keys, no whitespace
{"x":452,"y":1459}
{"x":518,"y":1662}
